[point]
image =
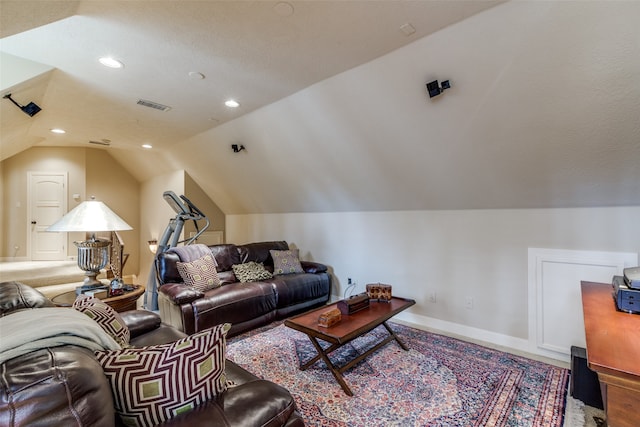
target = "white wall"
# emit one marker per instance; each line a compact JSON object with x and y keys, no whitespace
{"x":478,"y":253}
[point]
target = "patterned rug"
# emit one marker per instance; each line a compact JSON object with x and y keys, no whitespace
{"x":440,"y":381}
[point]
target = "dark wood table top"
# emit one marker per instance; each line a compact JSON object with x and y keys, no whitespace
{"x":351,"y":326}
{"x":122,"y":302}
{"x":613,"y":337}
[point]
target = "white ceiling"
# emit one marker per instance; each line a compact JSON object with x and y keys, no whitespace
{"x":543,"y":109}
{"x":256,"y":52}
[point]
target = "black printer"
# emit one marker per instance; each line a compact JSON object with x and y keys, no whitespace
{"x":626,"y":298}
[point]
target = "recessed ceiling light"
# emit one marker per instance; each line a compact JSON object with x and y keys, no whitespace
{"x":283,"y":8}
{"x":147,"y":146}
{"x":58,"y":130}
{"x":110,"y":62}
{"x":232,"y":103}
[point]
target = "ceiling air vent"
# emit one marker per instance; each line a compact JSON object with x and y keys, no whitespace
{"x":152,"y":104}
{"x":105,"y":142}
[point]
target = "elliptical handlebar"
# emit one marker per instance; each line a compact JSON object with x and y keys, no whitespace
{"x":185,"y":211}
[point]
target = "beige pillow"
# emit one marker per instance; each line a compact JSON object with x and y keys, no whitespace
{"x":286,"y":262}
{"x":200,"y":274}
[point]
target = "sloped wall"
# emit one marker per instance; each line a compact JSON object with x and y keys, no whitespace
{"x":478,"y":254}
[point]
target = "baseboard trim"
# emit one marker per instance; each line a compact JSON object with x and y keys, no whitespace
{"x":502,"y":342}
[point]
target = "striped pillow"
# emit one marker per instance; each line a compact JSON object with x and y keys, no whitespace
{"x":105,"y":316}
{"x":200,"y":274}
{"x":153,"y":384}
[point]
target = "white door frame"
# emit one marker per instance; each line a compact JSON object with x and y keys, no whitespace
{"x":30,"y":214}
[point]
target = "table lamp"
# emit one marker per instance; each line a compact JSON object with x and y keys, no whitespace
{"x":91,"y":216}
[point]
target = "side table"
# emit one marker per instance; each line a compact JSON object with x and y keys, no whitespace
{"x":124,"y":302}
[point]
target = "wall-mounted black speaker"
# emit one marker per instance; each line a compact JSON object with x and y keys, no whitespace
{"x":433,"y":88}
{"x":31,"y":109}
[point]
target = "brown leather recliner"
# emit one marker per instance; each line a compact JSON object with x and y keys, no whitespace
{"x":65,"y":386}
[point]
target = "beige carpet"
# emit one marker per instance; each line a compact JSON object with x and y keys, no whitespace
{"x":41,"y":273}
{"x":577,"y":414}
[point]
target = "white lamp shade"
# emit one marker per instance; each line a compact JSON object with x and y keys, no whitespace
{"x":90,"y":216}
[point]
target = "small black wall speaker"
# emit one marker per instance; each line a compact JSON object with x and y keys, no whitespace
{"x":433,"y":88}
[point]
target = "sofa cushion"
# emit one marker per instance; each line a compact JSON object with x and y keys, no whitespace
{"x":153,"y":384}
{"x":200,"y":274}
{"x":18,"y":296}
{"x":56,"y":386}
{"x":259,"y":252}
{"x":251,"y":272}
{"x":286,"y":262}
{"x":104,"y":316}
{"x":225,"y":255}
{"x":166,"y":266}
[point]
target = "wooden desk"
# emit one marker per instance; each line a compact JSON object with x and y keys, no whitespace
{"x":613,"y":351}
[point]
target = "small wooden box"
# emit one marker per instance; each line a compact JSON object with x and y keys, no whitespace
{"x":379,"y":291}
{"x":354,"y":304}
{"x":329,"y":318}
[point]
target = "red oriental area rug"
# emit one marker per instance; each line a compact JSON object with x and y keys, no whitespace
{"x":440,"y":381}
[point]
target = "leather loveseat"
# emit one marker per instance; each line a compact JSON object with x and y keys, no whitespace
{"x":66,"y":386}
{"x":244,"y":305}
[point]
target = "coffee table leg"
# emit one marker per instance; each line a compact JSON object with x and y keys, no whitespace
{"x":404,"y":347}
{"x":336,"y":373}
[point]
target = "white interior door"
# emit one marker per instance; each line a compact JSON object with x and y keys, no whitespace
{"x":48,"y":203}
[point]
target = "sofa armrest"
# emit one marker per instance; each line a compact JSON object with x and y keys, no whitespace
{"x":140,"y":321}
{"x":313,"y":267}
{"x":258,"y":403}
{"x":179,"y":293}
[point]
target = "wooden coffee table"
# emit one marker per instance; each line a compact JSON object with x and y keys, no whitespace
{"x":349,"y":328}
{"x":120,"y":303}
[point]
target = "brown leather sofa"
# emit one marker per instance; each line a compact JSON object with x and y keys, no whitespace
{"x":244,"y":305}
{"x":65,"y":385}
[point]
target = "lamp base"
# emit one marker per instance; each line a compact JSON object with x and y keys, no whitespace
{"x":93,"y":255}
{"x":87,"y":288}
{"x":90,"y":283}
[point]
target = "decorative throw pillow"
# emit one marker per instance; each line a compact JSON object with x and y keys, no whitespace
{"x":200,"y":274}
{"x":251,"y":272}
{"x":286,"y":262}
{"x":153,"y":384}
{"x":105,"y":316}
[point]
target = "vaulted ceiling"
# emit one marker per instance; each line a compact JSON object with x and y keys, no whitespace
{"x":543,"y":109}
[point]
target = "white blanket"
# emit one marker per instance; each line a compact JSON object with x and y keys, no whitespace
{"x":28,"y":330}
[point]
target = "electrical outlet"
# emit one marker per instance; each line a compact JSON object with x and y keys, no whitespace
{"x":348,"y":280}
{"x":468,"y":303}
{"x":433,"y":297}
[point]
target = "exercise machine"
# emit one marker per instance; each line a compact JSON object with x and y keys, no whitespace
{"x":185,"y":211}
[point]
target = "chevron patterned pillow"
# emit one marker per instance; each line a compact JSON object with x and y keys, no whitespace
{"x":200,"y":274}
{"x":105,"y":316}
{"x":153,"y":384}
